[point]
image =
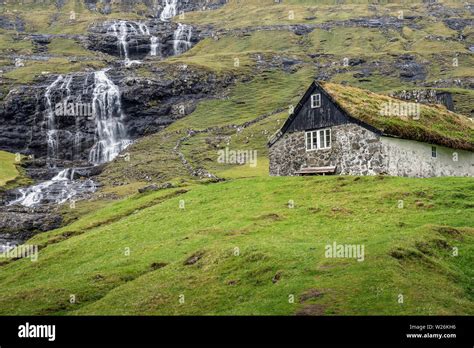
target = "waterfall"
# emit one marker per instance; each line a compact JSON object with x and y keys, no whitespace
{"x":143,"y":28}
{"x":153,"y":39}
{"x":62,"y":86}
{"x":122,"y":30}
{"x":111,"y":136}
{"x":170,"y":9}
{"x":110,"y":139}
{"x":154,"y":46}
{"x":51,"y":133}
{"x":182,"y":38}
{"x":59,"y":190}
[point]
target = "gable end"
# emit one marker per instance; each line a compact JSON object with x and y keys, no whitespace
{"x":329,"y":114}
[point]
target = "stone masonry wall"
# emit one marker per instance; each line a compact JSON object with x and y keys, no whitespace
{"x":354,"y":151}
{"x":358,"y":151}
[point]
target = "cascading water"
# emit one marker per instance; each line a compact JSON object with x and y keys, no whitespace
{"x":58,"y":190}
{"x":154,"y":43}
{"x":122,"y":30}
{"x":143,"y":28}
{"x":182,"y":38}
{"x":170,"y":9}
{"x":153,"y":39}
{"x":110,"y":140}
{"x":62,"y":84}
{"x":111,"y":136}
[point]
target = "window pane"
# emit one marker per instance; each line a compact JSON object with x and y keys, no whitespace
{"x":308,"y":141}
{"x":321,"y":139}
{"x":328,"y":138}
{"x":315,"y":139}
{"x":315,"y":100}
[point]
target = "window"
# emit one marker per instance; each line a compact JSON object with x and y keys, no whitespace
{"x":308,"y":141}
{"x":315,"y":101}
{"x":434,"y":153}
{"x":320,"y":139}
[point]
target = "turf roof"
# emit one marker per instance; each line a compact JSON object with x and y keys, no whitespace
{"x":434,"y":124}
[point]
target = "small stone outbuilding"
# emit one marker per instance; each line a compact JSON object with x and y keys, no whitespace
{"x":338,"y":129}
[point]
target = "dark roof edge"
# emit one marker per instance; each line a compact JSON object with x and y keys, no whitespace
{"x":316,"y":84}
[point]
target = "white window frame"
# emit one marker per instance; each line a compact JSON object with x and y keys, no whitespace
{"x":314,"y":141}
{"x":315,"y":100}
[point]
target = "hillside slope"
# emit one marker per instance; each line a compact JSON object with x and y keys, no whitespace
{"x":253,"y":251}
{"x":226,"y":238}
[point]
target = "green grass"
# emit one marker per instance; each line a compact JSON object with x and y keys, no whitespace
{"x":8,"y":169}
{"x":406,"y":251}
{"x":153,"y":155}
{"x":251,"y":13}
{"x":202,"y":149}
{"x":434,"y":124}
{"x":33,"y":69}
{"x":234,"y":52}
{"x":48,"y":19}
{"x":67,"y":47}
{"x":264,"y":94}
{"x":9,"y":43}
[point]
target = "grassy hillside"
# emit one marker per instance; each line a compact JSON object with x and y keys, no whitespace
{"x":237,"y":247}
{"x":281,"y":251}
{"x":8,"y":170}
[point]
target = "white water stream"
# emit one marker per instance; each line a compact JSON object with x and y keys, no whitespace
{"x":110,"y":134}
{"x":110,"y":139}
{"x":170,"y":10}
{"x":182,"y":38}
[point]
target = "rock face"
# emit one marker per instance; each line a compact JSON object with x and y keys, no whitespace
{"x":426,"y":96}
{"x":8,"y":23}
{"x":459,"y":23}
{"x":148,"y":105}
{"x":136,"y":40}
{"x":410,"y":69}
{"x":19,"y":223}
{"x":153,"y":103}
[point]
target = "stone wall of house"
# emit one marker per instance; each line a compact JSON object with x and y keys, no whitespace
{"x":358,"y":151}
{"x":354,"y":151}
{"x":414,"y":159}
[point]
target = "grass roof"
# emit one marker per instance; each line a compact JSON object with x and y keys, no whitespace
{"x":435,"y":124}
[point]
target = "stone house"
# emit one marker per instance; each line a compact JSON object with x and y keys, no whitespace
{"x":338,"y":129}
